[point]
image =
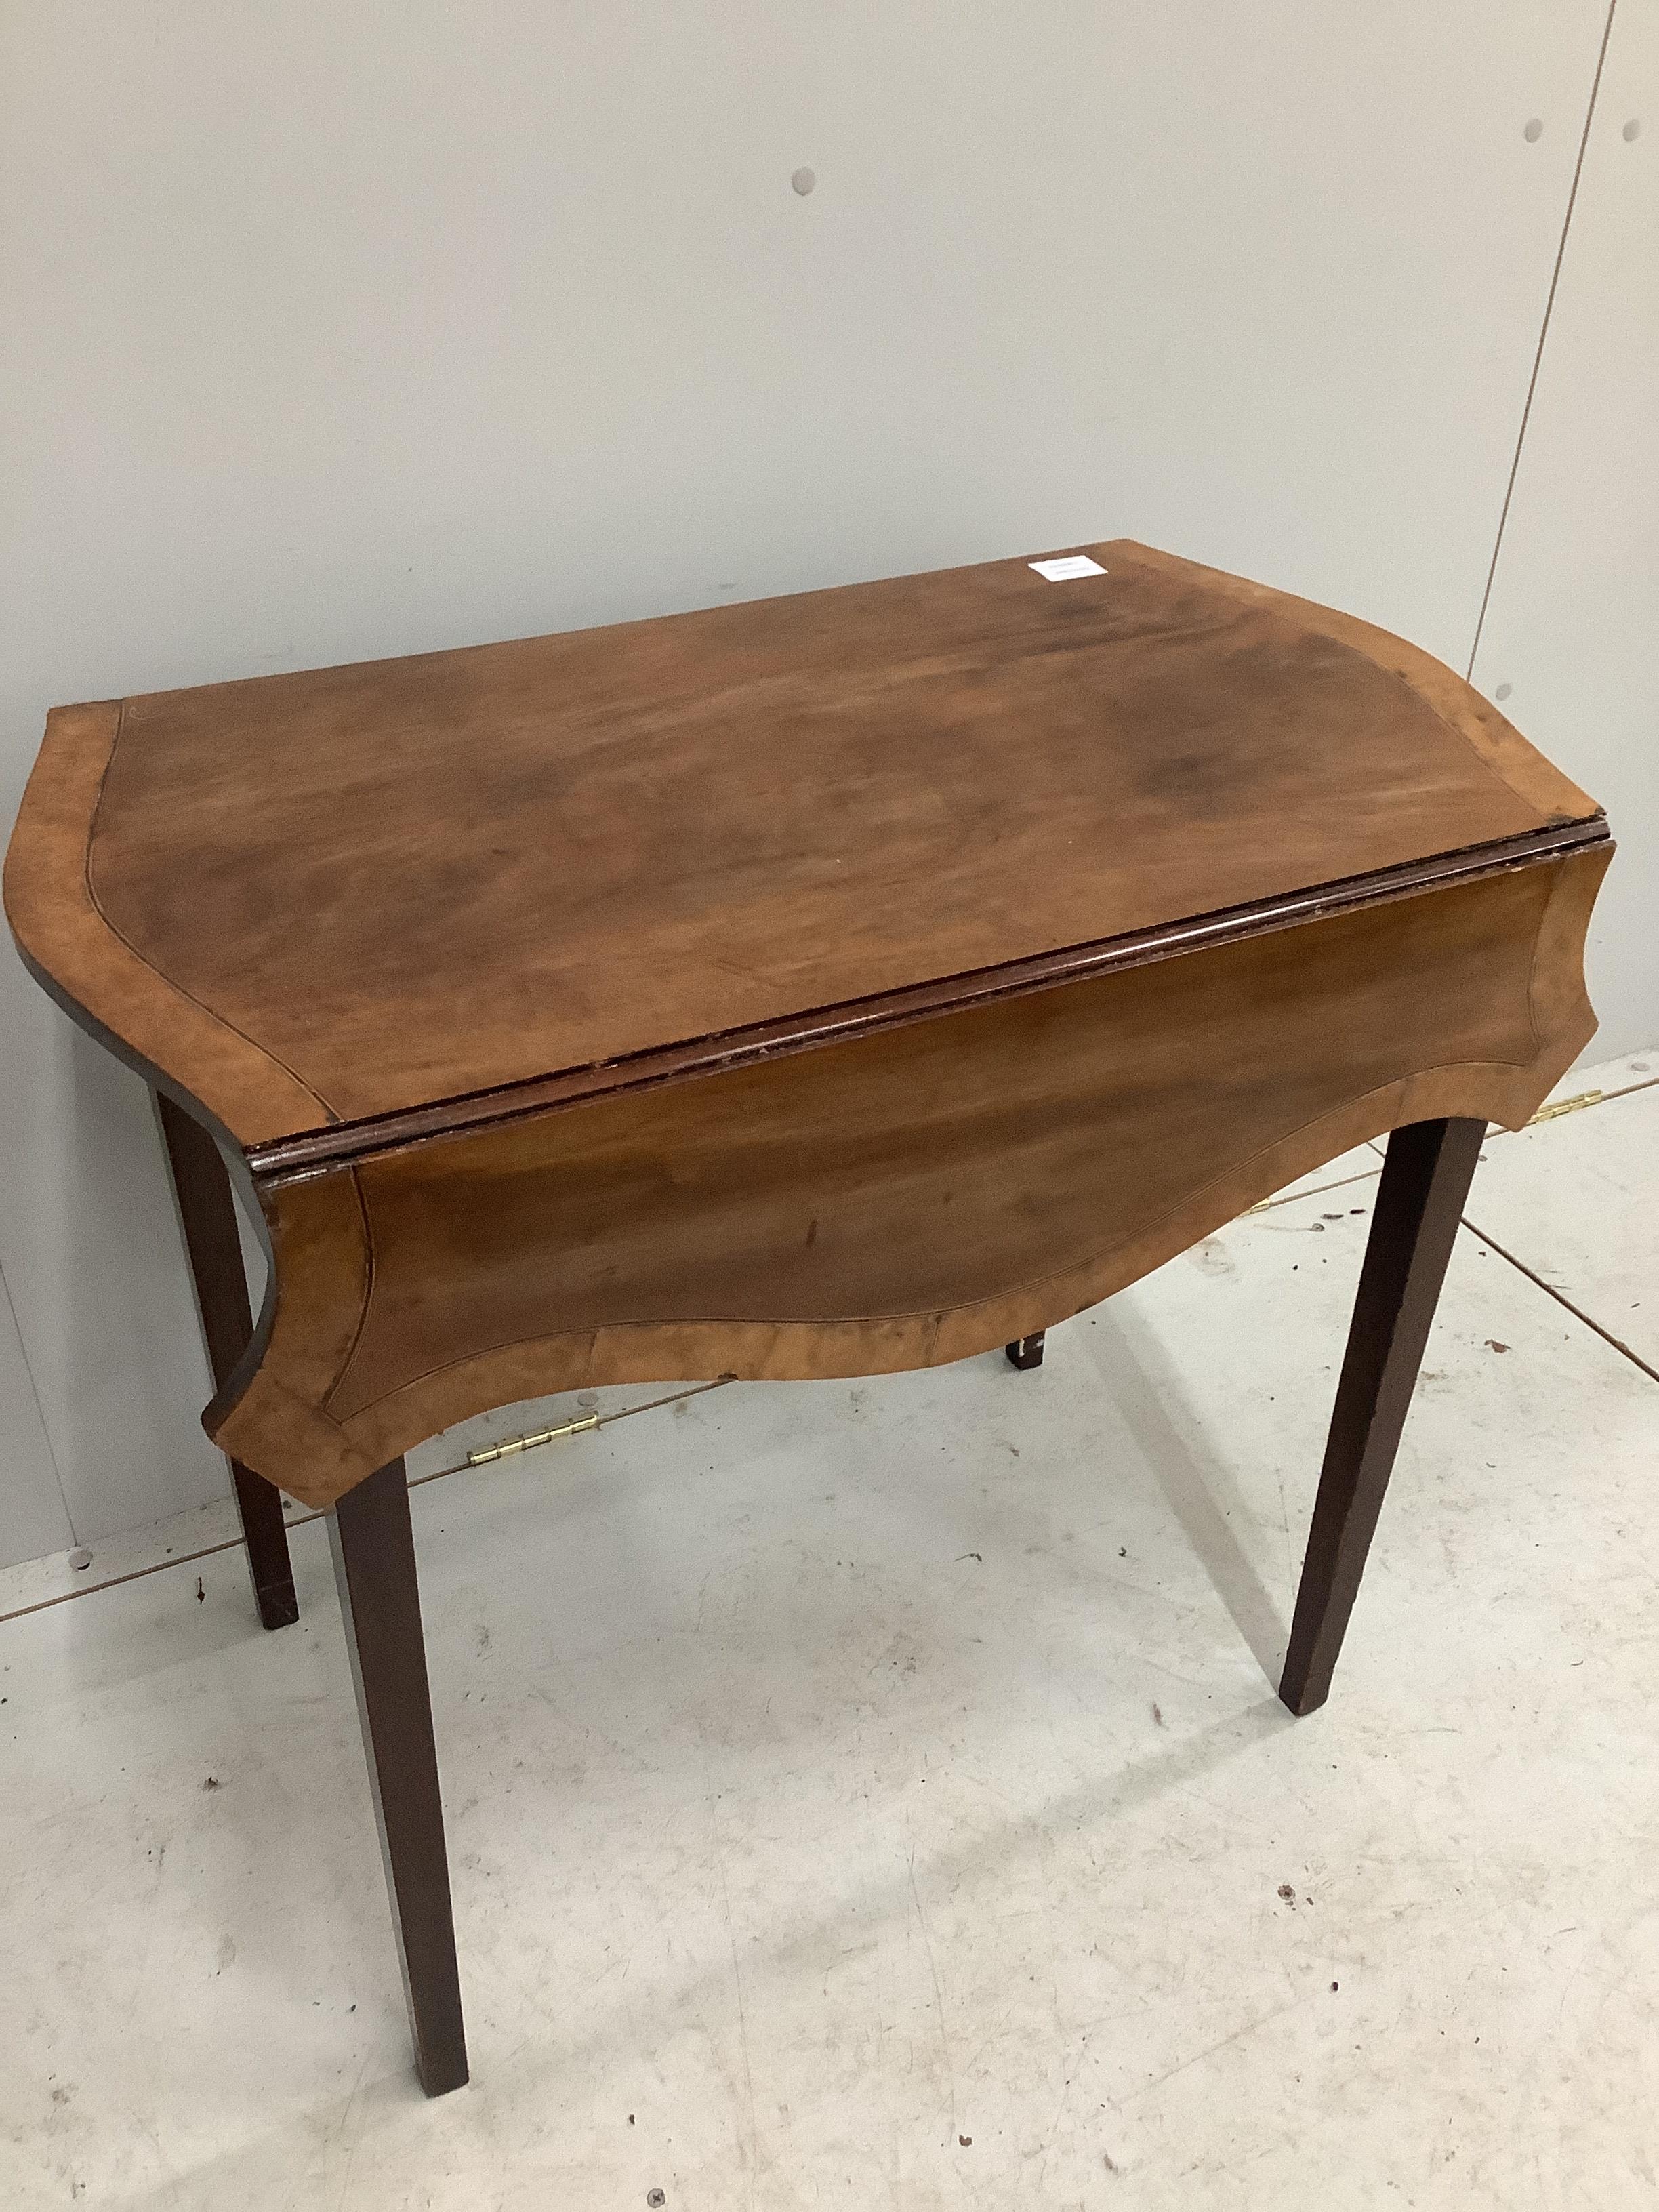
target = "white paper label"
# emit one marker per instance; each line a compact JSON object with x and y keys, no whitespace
{"x":1071,"y":564}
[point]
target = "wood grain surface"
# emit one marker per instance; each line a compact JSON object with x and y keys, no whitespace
{"x":904,"y":1200}
{"x":830,"y":985}
{"x":357,"y":891}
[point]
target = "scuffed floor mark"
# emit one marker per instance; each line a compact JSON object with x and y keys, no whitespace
{"x":1221,"y":2043}
{"x":938,"y":1994}
{"x":1212,"y":1257}
{"x":755,"y":2161}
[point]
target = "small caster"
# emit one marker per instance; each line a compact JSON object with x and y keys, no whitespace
{"x":1026,"y":1350}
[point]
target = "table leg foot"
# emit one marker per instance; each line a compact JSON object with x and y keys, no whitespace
{"x":265,"y":1537}
{"x":1420,"y":1200}
{"x":1026,"y":1351}
{"x":380,"y":1604}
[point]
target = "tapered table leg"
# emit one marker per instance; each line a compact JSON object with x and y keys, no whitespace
{"x":207,"y":1216}
{"x":381,"y":1603}
{"x":1026,"y":1350}
{"x":1425,"y":1179}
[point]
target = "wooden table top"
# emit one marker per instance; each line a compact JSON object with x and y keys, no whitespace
{"x":365,"y":895}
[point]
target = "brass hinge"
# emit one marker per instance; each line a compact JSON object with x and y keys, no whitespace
{"x":1566,"y":1106}
{"x":528,"y":1443}
{"x":1550,"y":1113}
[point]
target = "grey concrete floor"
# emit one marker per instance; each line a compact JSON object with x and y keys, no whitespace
{"x":873,"y":1793}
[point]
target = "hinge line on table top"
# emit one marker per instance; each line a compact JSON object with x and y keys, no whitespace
{"x":310,"y":1153}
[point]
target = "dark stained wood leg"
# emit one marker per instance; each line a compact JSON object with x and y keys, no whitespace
{"x":1425,"y":1179}
{"x":380,"y":1603}
{"x":1026,"y":1350}
{"x":207,"y":1217}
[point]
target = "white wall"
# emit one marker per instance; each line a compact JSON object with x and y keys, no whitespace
{"x":330,"y":331}
{"x":1574,"y":617}
{"x":34,"y":1518}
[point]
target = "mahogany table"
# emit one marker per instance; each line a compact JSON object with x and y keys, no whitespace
{"x":842,"y":983}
